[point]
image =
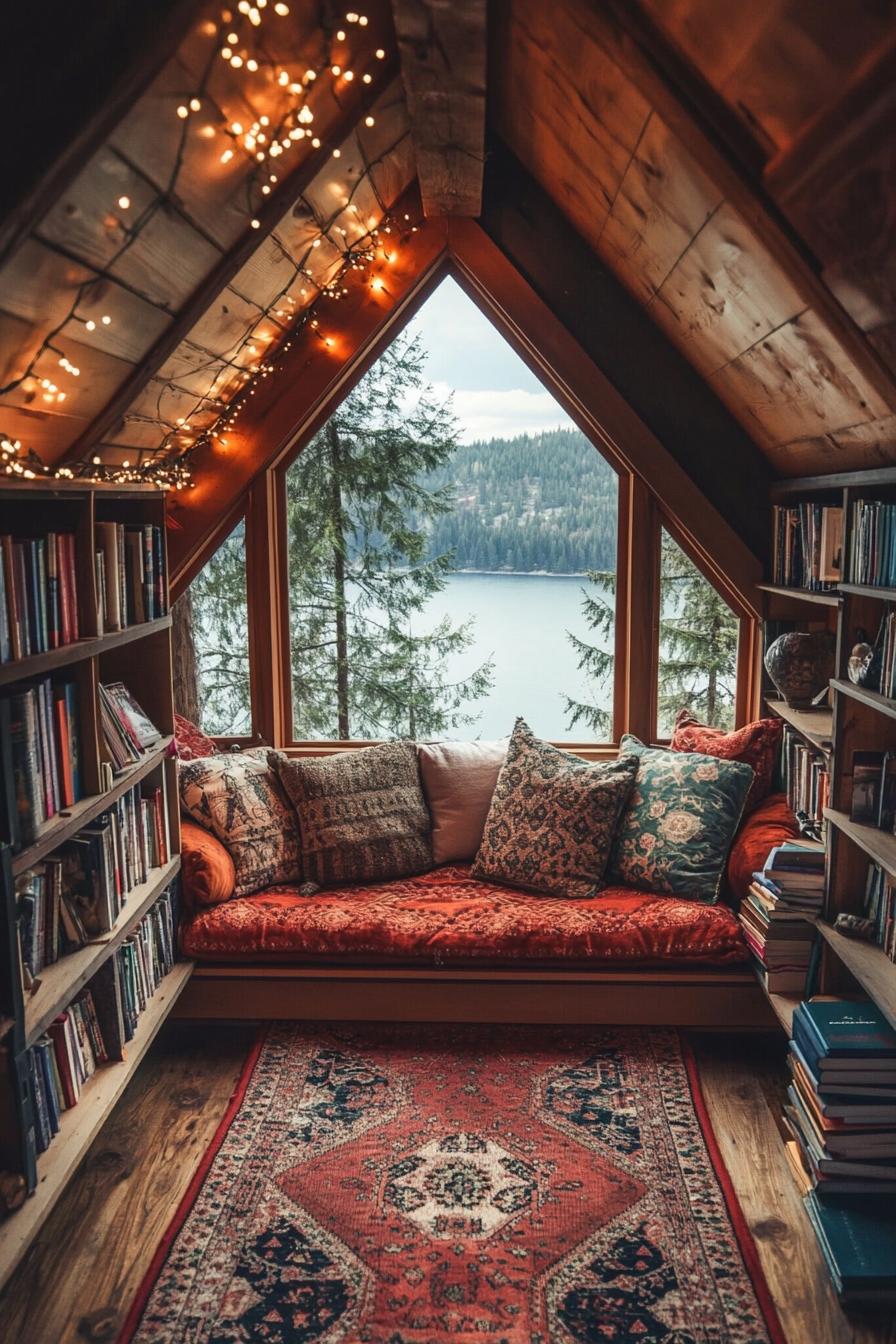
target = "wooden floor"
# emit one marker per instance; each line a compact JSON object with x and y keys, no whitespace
{"x":77,"y":1281}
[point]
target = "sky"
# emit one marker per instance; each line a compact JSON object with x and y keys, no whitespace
{"x":495,"y":394}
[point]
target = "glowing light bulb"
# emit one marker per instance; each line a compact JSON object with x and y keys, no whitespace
{"x":336,"y":70}
{"x":183,"y":111}
{"x":195,"y":104}
{"x":340,"y":36}
{"x":368,"y":79}
{"x":377,"y":284}
{"x":90,"y":325}
{"x":349,"y":75}
{"x":232,"y":39}
{"x":362,"y":19}
{"x":237,"y":62}
{"x":227,"y":156}
{"x":252,"y":64}
{"x":255,"y":223}
{"x":369,"y":121}
{"x":124,"y":202}
{"x":282,"y":10}
{"x":328,"y":341}
{"x":106,"y":320}
{"x":380,"y":54}
{"x":337,"y":153}
{"x":226,"y":53}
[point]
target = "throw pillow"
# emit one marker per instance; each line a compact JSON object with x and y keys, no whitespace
{"x":361,"y":814}
{"x":756,"y":744}
{"x":209,"y":876}
{"x":676,"y":831}
{"x":240,"y":800}
{"x":552,"y":819}
{"x":190,"y":741}
{"x":459,"y":779}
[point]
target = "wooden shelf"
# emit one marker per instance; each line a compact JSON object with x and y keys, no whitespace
{"x":878,"y":845}
{"x":66,"y":824}
{"x":816,"y":726}
{"x":801,"y":594}
{"x":869,"y":965}
{"x":80,"y":1125}
{"x":39,"y":664}
{"x":882,"y":703}
{"x":60,"y":982}
{"x":869,"y":590}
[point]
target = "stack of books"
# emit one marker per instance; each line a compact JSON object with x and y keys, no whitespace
{"x":130,"y":575}
{"x":841,"y":1113}
{"x":128,"y":733}
{"x":143,"y":960}
{"x":806,"y":779}
{"x":38,"y":595}
{"x":40,"y":757}
{"x":880,"y":908}
{"x":807,"y":546}
{"x":872,"y":550}
{"x":841,"y":1102}
{"x":61,"y":1062}
{"x":778,"y":915}
{"x":873,"y":801}
{"x":77,"y":893}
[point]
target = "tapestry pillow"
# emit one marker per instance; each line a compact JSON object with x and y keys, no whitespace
{"x":756,"y":744}
{"x":459,"y":779}
{"x":191,"y":742}
{"x":682,"y":815}
{"x":209,"y":876}
{"x":552,"y":819}
{"x":239,"y":798}
{"x":361,"y":814}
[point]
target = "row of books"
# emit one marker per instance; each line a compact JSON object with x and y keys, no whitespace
{"x":805,"y":779}
{"x":807,"y":546}
{"x":130,"y":575}
{"x":40,"y":757}
{"x":872,"y":546}
{"x":94,"y":1028}
{"x":841,"y":1116}
{"x":77,"y":893}
{"x":880,"y":908}
{"x":128,"y":732}
{"x":873,"y":799}
{"x":778,"y":913}
{"x":38,"y":594}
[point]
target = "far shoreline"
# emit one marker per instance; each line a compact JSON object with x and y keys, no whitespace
{"x":523,"y":573}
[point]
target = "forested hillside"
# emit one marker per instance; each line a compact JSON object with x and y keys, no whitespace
{"x":536,"y":502}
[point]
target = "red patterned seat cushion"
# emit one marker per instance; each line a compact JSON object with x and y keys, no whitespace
{"x":447,"y":917}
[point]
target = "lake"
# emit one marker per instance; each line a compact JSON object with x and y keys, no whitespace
{"x":521,"y":622}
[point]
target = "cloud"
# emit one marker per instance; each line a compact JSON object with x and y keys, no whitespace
{"x":502,"y":414}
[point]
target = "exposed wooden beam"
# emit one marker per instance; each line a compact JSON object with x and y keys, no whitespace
{"x":155,"y":42}
{"x":290,"y":406}
{"x":359,"y":100}
{"x":609,"y":28}
{"x":443,"y":56}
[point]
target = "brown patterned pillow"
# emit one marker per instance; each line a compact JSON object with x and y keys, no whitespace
{"x":239,"y":798}
{"x":361,"y":813}
{"x":553,"y":817}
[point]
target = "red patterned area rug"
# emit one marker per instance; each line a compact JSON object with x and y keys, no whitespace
{"x":452,"y":1185}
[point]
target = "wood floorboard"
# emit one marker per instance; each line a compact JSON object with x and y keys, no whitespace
{"x":79,"y":1277}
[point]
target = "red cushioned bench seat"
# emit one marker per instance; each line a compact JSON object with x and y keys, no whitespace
{"x":446,"y":917}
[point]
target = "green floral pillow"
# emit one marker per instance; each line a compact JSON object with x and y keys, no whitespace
{"x":682,"y":815}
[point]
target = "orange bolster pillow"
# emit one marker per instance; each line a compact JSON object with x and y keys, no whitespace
{"x":209,"y":876}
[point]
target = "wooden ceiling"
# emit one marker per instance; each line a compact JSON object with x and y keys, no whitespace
{"x":730,"y":164}
{"x":664,"y":133}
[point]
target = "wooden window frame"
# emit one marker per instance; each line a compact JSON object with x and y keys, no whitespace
{"x":654,"y":491}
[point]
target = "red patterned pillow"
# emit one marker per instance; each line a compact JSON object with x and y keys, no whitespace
{"x":191,"y":742}
{"x":756,"y":745}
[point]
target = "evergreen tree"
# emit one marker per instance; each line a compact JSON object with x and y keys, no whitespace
{"x":359,"y":512}
{"x":698,"y":647}
{"x":220,"y":621}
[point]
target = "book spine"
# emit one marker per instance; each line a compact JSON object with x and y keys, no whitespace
{"x":53,"y":622}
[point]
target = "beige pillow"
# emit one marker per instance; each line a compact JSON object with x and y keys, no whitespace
{"x":459,"y":779}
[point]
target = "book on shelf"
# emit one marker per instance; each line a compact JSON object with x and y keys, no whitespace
{"x":806,"y":779}
{"x":807,"y":546}
{"x":93,"y":1028}
{"x":872,"y":550}
{"x":40,"y":757}
{"x":778,"y":912}
{"x":873,"y":799}
{"x":76,"y":894}
{"x":130,"y":575}
{"x":127,"y":731}
{"x":38,"y":594}
{"x":880,"y":908}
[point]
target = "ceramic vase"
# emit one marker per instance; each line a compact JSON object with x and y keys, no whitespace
{"x":801,"y":665}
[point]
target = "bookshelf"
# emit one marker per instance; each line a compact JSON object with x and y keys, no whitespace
{"x":138,"y":654}
{"x":857,"y":719}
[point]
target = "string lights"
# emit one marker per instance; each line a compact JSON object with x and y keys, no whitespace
{"x":253,"y":146}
